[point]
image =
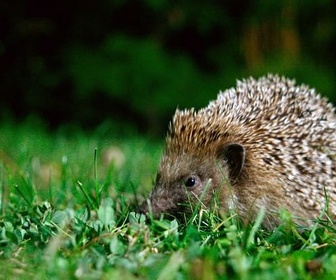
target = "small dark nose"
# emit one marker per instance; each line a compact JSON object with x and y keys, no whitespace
{"x":143,"y":208}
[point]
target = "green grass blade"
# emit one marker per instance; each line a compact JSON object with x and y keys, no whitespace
{"x":95,"y":172}
{"x":87,"y":196}
{"x":255,"y":227}
{"x":22,"y":195}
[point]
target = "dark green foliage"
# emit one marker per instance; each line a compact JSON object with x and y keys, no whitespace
{"x":134,"y":62}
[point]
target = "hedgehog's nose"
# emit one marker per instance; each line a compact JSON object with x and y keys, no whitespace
{"x":143,"y":208}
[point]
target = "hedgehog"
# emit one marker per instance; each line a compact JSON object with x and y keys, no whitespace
{"x":266,"y":145}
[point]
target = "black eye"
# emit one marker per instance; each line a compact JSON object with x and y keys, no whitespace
{"x":190,"y":182}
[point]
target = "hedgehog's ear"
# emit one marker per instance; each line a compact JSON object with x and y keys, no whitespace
{"x":234,"y":157}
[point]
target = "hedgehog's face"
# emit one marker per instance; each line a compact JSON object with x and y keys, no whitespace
{"x":185,"y":180}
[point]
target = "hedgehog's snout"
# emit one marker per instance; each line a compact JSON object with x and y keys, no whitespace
{"x":143,"y":208}
{"x":148,"y":208}
{"x":161,"y":201}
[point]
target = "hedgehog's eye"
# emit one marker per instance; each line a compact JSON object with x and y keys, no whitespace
{"x":191,"y":181}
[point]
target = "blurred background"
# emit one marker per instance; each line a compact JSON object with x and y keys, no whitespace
{"x":129,"y":64}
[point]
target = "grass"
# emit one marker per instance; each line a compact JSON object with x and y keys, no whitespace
{"x":68,"y":205}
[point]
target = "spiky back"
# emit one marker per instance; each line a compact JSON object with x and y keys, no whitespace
{"x":285,"y":127}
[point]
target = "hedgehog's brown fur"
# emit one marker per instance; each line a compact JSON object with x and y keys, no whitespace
{"x":283,"y":153}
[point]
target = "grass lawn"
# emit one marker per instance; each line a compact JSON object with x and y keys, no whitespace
{"x":67,"y":211}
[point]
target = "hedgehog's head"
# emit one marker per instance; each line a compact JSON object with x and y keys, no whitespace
{"x":199,"y":163}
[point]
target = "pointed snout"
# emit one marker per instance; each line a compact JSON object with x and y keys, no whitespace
{"x":143,"y":208}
